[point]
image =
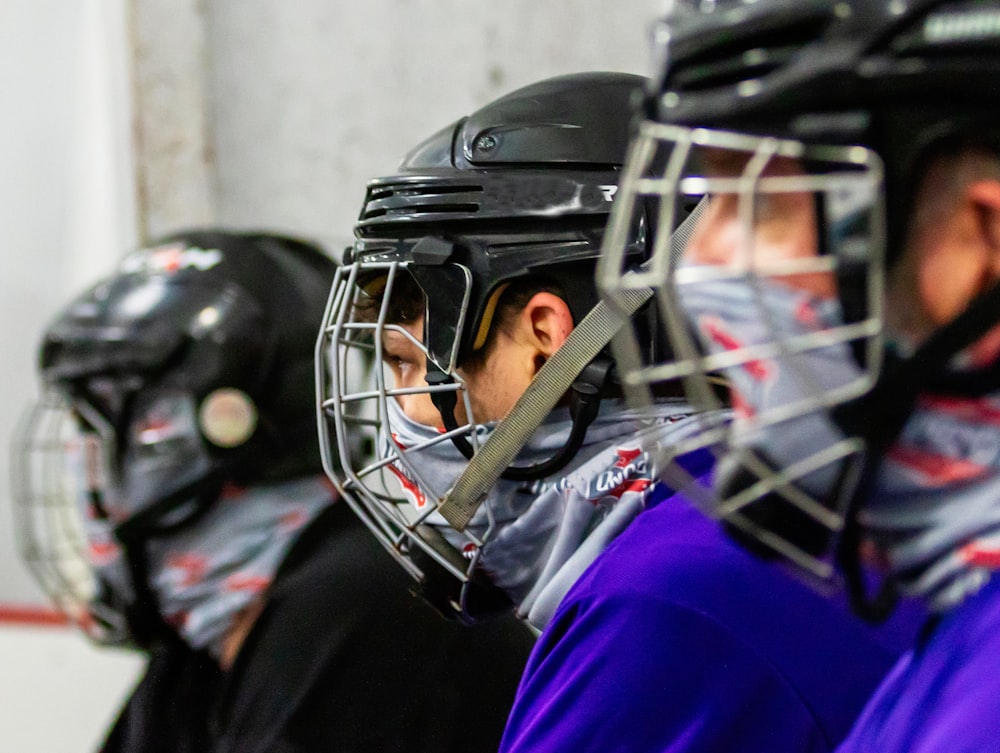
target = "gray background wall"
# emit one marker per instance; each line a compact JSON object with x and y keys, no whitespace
{"x":67,"y":197}
{"x":131,"y":118}
{"x":307,"y":100}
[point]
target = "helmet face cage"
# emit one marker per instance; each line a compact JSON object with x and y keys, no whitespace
{"x":393,"y":492}
{"x":77,"y":479}
{"x":58,"y":472}
{"x":666,"y":168}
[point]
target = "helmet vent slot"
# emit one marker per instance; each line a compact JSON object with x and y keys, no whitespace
{"x":954,"y":25}
{"x":750,"y":57}
{"x":386,"y":200}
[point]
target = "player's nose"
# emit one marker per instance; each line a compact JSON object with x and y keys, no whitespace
{"x":715,"y":239}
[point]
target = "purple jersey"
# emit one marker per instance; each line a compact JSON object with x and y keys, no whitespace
{"x":677,"y":640}
{"x":942,"y":696}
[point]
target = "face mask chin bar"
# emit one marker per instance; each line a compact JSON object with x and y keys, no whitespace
{"x":584,"y":405}
{"x":469,"y":601}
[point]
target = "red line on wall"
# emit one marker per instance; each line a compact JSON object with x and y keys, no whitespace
{"x":30,"y":614}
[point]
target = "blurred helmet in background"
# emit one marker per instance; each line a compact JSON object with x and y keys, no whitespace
{"x":187,"y":371}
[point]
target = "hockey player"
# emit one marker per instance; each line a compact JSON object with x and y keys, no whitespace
{"x":173,"y":500}
{"x":509,"y":465}
{"x":845,"y":276}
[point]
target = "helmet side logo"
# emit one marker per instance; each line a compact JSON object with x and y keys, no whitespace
{"x":170,"y":258}
{"x":608,"y":192}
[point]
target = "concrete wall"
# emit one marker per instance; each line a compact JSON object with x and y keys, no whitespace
{"x":309,"y":100}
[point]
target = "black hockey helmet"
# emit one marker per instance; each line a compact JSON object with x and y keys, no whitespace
{"x":519,"y":190}
{"x":521,"y":187}
{"x":188,"y":369}
{"x":900,"y":78}
{"x":860,"y":95}
{"x":202,"y":311}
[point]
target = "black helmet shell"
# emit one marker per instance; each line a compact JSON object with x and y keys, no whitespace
{"x":201,"y":311}
{"x":522,"y":187}
{"x":895,"y":77}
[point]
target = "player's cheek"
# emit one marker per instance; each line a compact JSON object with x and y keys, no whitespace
{"x":717,"y":237}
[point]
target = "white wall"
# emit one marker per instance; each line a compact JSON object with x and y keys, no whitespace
{"x":66,"y":194}
{"x":66,"y":212}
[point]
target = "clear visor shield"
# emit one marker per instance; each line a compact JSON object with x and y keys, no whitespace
{"x":392,"y":465}
{"x":59,"y":475}
{"x":772,"y":306}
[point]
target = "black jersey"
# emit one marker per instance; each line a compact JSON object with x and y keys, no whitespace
{"x":342,"y":658}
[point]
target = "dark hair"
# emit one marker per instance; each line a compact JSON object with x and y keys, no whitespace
{"x":407,"y":304}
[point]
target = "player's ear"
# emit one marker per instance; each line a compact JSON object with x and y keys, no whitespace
{"x":984,"y":195}
{"x":545,"y":323}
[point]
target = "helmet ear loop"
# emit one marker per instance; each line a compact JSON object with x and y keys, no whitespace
{"x":468,"y":601}
{"x":83,"y":402}
{"x":856,"y":418}
{"x":585,"y":404}
{"x":142,"y":615}
{"x":446,"y":401}
{"x":872,"y":604}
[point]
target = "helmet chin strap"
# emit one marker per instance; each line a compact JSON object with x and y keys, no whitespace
{"x":554,"y":378}
{"x":880,"y":415}
{"x":585,"y":403}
